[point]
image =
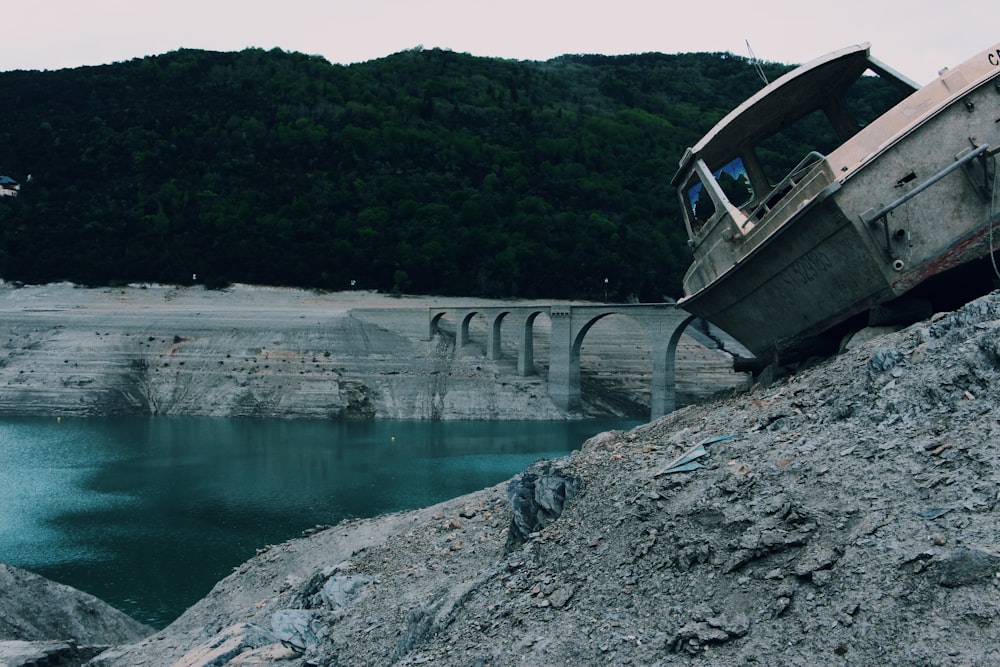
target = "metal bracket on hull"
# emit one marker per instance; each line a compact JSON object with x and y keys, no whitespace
{"x":869,"y":217}
{"x":983,"y":180}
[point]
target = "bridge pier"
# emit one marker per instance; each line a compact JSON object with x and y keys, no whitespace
{"x":493,"y":352}
{"x":462,"y":328}
{"x":665,"y":336}
{"x":526,"y":352}
{"x":564,"y":361}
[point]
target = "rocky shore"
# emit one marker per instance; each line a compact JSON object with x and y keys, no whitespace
{"x":273,"y":352}
{"x":844,"y":515}
{"x":45,"y":623}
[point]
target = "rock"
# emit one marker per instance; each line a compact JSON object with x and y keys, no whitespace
{"x":561,"y":596}
{"x":706,"y":628}
{"x":696,"y":636}
{"x":14,"y":653}
{"x":821,"y":577}
{"x":736,"y":625}
{"x":233,"y":646}
{"x":884,"y":359}
{"x":536,"y":500}
{"x":34,"y":608}
{"x":779,"y":606}
{"x":338,"y":591}
{"x":964,"y":566}
{"x":299,"y":629}
{"x":865,"y":336}
{"x":820,"y":557}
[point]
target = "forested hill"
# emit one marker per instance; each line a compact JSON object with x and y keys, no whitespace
{"x":427,"y":171}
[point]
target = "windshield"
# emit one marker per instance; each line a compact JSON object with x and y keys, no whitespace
{"x":734,"y":183}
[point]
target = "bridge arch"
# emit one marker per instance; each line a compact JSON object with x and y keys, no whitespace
{"x":663,"y":334}
{"x":435,"y":322}
{"x":462,"y":337}
{"x":587,"y":326}
{"x":495,"y":318}
{"x":576,"y":346}
{"x":526,"y":350}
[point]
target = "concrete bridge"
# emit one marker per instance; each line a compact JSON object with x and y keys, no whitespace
{"x":663,"y":323}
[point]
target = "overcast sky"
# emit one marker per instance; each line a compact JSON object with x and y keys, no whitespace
{"x":916,"y":38}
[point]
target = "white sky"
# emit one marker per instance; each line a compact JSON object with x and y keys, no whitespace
{"x":917,"y":38}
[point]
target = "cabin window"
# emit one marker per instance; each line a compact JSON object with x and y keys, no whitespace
{"x":732,"y":181}
{"x":781,"y":152}
{"x":701,"y":207}
{"x":735,"y":182}
{"x":824,"y":130}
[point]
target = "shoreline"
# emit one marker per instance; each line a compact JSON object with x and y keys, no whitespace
{"x":291,"y":353}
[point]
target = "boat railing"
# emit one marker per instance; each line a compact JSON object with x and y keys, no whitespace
{"x":872,"y":216}
{"x":793,"y":178}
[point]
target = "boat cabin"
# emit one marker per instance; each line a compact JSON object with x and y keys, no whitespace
{"x":735,"y":179}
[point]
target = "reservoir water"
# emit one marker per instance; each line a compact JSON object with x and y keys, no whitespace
{"x":149,"y":513}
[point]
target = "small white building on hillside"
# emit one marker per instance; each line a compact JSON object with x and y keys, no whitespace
{"x":8,"y":186}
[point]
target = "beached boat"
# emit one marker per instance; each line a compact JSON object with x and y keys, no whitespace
{"x":881,"y":205}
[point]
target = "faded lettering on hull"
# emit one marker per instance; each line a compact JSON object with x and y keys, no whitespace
{"x":806,"y":269}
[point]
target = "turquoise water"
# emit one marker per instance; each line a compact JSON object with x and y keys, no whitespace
{"x":149,"y":513}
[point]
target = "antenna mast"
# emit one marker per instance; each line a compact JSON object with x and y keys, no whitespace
{"x":756,"y":63}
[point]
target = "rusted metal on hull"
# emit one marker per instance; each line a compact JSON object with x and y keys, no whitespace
{"x":972,"y":247}
{"x":902,"y":200}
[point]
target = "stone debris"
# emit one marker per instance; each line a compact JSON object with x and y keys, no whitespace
{"x":697,"y":635}
{"x":300,"y":629}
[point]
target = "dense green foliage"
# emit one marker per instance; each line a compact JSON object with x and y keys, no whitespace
{"x":426,"y":171}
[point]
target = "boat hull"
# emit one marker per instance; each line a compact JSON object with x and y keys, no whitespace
{"x":793,"y":286}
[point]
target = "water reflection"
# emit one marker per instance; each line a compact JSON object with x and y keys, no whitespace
{"x":148,"y":514}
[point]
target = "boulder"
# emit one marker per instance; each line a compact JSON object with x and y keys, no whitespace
{"x":36,"y":609}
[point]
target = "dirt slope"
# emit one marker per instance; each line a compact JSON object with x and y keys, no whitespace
{"x":844,"y":516}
